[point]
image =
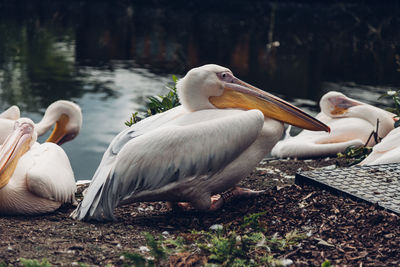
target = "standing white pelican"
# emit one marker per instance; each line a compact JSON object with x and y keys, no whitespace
{"x":34,"y":178}
{"x":387,"y":151}
{"x":193,"y":151}
{"x":65,"y":115}
{"x":351,"y":123}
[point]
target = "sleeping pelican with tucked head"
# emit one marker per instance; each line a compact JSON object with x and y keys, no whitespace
{"x":222,"y":130}
{"x":65,"y":116}
{"x":352,"y":123}
{"x":34,"y":178}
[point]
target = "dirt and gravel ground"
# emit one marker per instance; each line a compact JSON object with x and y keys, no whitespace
{"x":341,"y":230}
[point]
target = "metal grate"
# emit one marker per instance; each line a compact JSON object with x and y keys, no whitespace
{"x":377,"y":184}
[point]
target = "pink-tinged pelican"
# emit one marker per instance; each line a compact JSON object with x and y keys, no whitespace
{"x":352,"y":123}
{"x":65,"y":115}
{"x":387,"y":151}
{"x":222,"y":130}
{"x":12,"y":113}
{"x":34,"y":178}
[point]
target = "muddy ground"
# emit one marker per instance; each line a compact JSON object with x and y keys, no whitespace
{"x":340,"y":230}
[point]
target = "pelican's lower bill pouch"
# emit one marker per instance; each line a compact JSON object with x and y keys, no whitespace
{"x":375,"y":184}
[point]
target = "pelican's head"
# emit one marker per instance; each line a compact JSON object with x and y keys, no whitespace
{"x":16,"y":144}
{"x":67,"y":117}
{"x":335,"y":104}
{"x":213,"y":86}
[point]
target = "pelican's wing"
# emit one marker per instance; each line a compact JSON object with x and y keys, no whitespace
{"x":50,"y":175}
{"x":12,"y":113}
{"x":195,"y":145}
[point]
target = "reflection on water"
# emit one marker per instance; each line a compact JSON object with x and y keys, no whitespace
{"x":109,"y":56}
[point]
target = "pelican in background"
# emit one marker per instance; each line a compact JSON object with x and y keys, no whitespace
{"x":12,"y":113}
{"x":387,"y":151}
{"x":65,"y":115}
{"x":222,"y":130}
{"x":352,"y":123}
{"x":34,"y":178}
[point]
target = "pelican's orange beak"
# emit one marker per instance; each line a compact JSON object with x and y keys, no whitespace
{"x":16,"y":144}
{"x":60,"y":134}
{"x":238,"y":94}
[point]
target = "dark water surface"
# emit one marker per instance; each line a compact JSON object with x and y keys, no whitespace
{"x":108,"y":56}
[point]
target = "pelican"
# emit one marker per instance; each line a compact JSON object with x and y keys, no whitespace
{"x":65,"y":115}
{"x":12,"y":113}
{"x":351,"y":123}
{"x":387,"y":151}
{"x":222,"y":130}
{"x":34,"y":178}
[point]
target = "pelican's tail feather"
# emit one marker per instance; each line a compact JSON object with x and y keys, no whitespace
{"x":94,"y":205}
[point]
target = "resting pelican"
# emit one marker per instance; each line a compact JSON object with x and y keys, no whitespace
{"x":65,"y":115}
{"x":193,"y":151}
{"x":351,"y":123}
{"x":34,"y":178}
{"x":387,"y":151}
{"x":12,"y":113}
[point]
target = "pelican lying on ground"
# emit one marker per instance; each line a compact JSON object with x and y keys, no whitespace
{"x":12,"y":113}
{"x":387,"y":151}
{"x":65,"y":115}
{"x":193,"y":151}
{"x":351,"y":123}
{"x":34,"y":178}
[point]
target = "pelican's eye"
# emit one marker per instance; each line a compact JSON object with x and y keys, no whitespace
{"x":225,"y":76}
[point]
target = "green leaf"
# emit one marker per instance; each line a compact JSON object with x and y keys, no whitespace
{"x":326,"y":263}
{"x":158,"y":104}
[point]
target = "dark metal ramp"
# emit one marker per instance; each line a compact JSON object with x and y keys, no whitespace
{"x":379,"y":184}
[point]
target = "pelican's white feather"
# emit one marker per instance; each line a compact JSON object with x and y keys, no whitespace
{"x":50,"y":174}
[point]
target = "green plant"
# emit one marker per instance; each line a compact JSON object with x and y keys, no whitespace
{"x":159,"y":250}
{"x":355,"y":155}
{"x":326,"y":263}
{"x":133,"y":119}
{"x":136,"y":259}
{"x":158,"y":104}
{"x":253,"y":220}
{"x":34,"y":263}
{"x":156,"y":247}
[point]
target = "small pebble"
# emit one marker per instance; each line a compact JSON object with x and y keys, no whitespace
{"x":216,"y":227}
{"x":144,"y":249}
{"x":286,"y":262}
{"x":165,"y":233}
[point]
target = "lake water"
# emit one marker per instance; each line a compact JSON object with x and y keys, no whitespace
{"x":109,"y":56}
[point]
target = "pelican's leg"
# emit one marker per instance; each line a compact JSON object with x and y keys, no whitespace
{"x":217,"y":201}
